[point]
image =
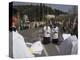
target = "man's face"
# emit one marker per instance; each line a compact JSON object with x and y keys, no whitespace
{"x":15,"y":21}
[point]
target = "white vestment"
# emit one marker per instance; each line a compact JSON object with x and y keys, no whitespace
{"x":55,"y":33}
{"x":47,"y":31}
{"x":18,"y":46}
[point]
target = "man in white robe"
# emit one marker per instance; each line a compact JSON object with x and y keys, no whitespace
{"x":17,"y":46}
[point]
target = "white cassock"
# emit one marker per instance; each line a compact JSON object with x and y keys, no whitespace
{"x":17,"y":46}
{"x":47,"y":32}
{"x":55,"y":35}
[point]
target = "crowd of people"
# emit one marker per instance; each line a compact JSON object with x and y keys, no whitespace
{"x":50,"y":35}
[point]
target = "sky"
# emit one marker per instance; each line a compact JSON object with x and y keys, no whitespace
{"x":64,"y":8}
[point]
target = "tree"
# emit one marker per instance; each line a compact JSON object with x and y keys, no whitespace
{"x":37,"y":12}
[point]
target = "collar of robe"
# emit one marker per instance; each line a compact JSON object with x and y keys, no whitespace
{"x":12,"y":29}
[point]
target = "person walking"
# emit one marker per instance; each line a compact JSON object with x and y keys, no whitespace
{"x":55,"y":33}
{"x":46,"y":34}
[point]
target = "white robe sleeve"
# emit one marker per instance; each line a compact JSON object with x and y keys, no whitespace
{"x":20,"y":50}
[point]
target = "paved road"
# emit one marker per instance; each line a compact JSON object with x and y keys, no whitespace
{"x":52,"y":50}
